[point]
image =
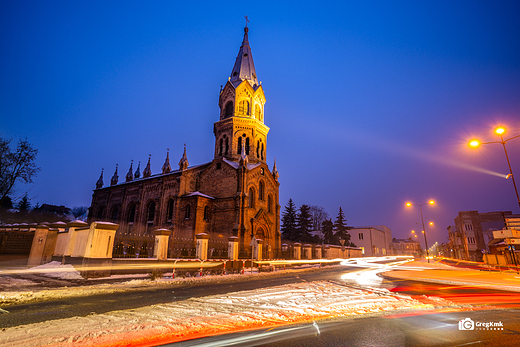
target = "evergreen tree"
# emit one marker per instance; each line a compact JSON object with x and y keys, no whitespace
{"x":328,"y":231}
{"x":289,"y":221}
{"x":24,"y":205}
{"x":304,"y":224}
{"x":340,"y":229}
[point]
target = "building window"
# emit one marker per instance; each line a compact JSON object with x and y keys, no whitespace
{"x":151,"y":212}
{"x":360,"y":236}
{"x":206,"y":213}
{"x":187,"y":214}
{"x":131,"y":214}
{"x":229,"y":109}
{"x":101,"y":213}
{"x":226,"y":145}
{"x":258,"y":113}
{"x":247,"y":145}
{"x":261,"y":189}
{"x":269,"y":204}
{"x":243,"y":108}
{"x":239,"y":149}
{"x":169,"y":211}
{"x":251,"y":198}
{"x":221,"y":144}
{"x":115,"y":214}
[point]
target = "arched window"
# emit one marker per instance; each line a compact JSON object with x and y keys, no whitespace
{"x":258,"y":149}
{"x":269,"y":204}
{"x":221,"y":143}
{"x":227,"y":146}
{"x":101,"y":213}
{"x":243,"y":107}
{"x":187,"y":214}
{"x":258,"y":113}
{"x":247,"y":145}
{"x":262,"y":152}
{"x":169,"y":211}
{"x":151,"y":212}
{"x":206,"y":213}
{"x":239,"y":149}
{"x":229,"y":109}
{"x":131,"y":214}
{"x":261,"y":189}
{"x":114,"y":216}
{"x":251,"y":198}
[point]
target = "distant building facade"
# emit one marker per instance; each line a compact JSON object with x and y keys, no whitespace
{"x":470,"y":236}
{"x":374,"y":241}
{"x":406,"y":247}
{"x":236,"y":194}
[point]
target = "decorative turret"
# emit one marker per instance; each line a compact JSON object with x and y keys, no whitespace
{"x":115,"y":178}
{"x":137,"y":174}
{"x":166,"y":167}
{"x":130,"y":175}
{"x":99,"y":183}
{"x":183,"y":163}
{"x":147,"y":172}
{"x":275,"y":171}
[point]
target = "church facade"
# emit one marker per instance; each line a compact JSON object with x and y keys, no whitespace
{"x":236,"y":194}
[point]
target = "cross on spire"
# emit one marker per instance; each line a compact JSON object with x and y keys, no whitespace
{"x":247,"y":20}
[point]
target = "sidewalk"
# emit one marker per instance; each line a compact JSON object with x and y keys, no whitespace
{"x":436,"y":272}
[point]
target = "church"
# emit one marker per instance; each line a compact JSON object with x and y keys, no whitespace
{"x":236,"y":194}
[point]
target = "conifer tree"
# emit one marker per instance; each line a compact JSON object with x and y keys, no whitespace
{"x":24,"y":205}
{"x":288,"y":227}
{"x":304,"y":224}
{"x":328,"y":231}
{"x":340,"y":229}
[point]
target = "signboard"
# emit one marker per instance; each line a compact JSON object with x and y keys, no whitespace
{"x":513,"y":241}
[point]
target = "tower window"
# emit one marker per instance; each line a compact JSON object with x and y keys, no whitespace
{"x":239,"y":149}
{"x":243,"y":107}
{"x":269,"y":204}
{"x":262,"y":152}
{"x":187,"y":214}
{"x":261,"y":189}
{"x":258,"y":149}
{"x":247,"y":145}
{"x":251,"y":198}
{"x":258,"y":113}
{"x":206,"y":213}
{"x":221,"y":143}
{"x":227,"y":145}
{"x":229,"y":109}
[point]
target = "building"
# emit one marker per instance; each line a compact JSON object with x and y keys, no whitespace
{"x":406,"y":247}
{"x":236,"y":194}
{"x":472,"y":232}
{"x":374,"y":241}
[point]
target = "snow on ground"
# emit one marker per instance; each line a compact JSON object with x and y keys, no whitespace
{"x":56,"y":270}
{"x":212,"y":314}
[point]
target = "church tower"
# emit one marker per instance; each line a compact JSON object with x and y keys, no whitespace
{"x":241,"y":102}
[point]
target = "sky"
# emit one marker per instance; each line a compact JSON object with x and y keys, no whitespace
{"x":370,"y":103}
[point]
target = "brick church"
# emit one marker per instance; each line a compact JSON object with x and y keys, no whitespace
{"x":236,"y":194}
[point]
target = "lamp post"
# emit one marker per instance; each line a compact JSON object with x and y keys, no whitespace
{"x":500,"y":131}
{"x":431,"y":202}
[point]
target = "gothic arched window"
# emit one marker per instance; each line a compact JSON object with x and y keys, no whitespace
{"x":258,"y":113}
{"x":243,"y":108}
{"x":101,"y":213}
{"x":187,"y":214}
{"x":131,"y":214}
{"x":227,"y":145}
{"x":261,"y":189}
{"x":169,"y":211}
{"x":114,"y":216}
{"x":247,"y":145}
{"x":229,"y":109}
{"x":239,"y":149}
{"x":251,"y":198}
{"x":151,"y":212}
{"x":221,"y":143}
{"x":269,"y":204}
{"x":206,"y":213}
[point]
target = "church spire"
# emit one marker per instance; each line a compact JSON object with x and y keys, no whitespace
{"x":147,"y":172}
{"x":137,"y":173}
{"x":244,"y":68}
{"x":99,"y":183}
{"x":166,"y":167}
{"x":130,"y":175}
{"x":183,"y":163}
{"x":115,"y":178}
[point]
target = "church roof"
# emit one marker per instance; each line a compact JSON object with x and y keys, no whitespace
{"x":244,"y":68}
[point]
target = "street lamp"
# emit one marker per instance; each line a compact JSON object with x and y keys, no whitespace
{"x":500,"y":131}
{"x":431,"y":202}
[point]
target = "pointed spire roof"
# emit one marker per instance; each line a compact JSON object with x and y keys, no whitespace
{"x":147,"y":172}
{"x":166,"y":168}
{"x":99,"y":183}
{"x":130,"y":175}
{"x":137,"y":173}
{"x":244,"y":68}
{"x":275,"y":171}
{"x":115,"y":178}
{"x":183,"y":163}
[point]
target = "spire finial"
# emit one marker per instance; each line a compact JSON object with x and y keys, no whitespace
{"x":137,"y":174}
{"x":166,"y":167}
{"x":183,"y":163}
{"x":115,"y":178}
{"x":130,"y":175}
{"x":147,"y":172}
{"x":99,"y":183}
{"x":247,"y":20}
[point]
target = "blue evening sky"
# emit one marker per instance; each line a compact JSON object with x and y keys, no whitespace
{"x":370,"y":103}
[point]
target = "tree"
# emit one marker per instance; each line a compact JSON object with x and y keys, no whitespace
{"x":24,"y":205}
{"x":80,"y":211}
{"x":318,"y":216}
{"x":340,"y":229}
{"x":289,"y":221}
{"x":328,"y":231}
{"x":16,"y":166}
{"x":304,"y":224}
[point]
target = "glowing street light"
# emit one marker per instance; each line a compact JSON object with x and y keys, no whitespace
{"x":500,"y":131}
{"x":431,"y":202}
